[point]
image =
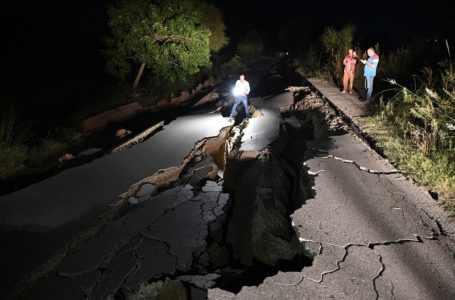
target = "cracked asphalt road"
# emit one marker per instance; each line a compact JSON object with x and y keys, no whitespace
{"x":363,"y":227}
{"x":163,"y":234}
{"x":46,"y":215}
{"x":364,"y":230}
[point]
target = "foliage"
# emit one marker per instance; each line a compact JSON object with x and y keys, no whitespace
{"x":22,"y":155}
{"x":251,"y":47}
{"x":436,"y":171}
{"x":417,"y":130}
{"x":213,"y":20}
{"x":310,"y":62}
{"x":12,"y":160}
{"x":12,"y":130}
{"x":166,"y":35}
{"x":424,"y":117}
{"x":335,"y":44}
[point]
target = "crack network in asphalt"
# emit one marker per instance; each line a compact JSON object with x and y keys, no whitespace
{"x":417,"y":239}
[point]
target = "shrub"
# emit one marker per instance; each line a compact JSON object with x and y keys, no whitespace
{"x":12,"y":130}
{"x":336,"y":44}
{"x":12,"y":160}
{"x":423,"y":117}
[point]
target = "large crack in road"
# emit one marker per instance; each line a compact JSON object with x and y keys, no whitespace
{"x":367,"y":238}
{"x":238,"y":220}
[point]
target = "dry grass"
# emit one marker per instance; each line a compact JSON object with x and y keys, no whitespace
{"x":436,"y":171}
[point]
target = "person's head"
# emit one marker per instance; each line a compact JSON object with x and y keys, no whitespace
{"x":350,"y":51}
{"x":242,"y":77}
{"x":371,"y":51}
{"x":354,"y":53}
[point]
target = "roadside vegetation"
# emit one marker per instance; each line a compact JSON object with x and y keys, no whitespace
{"x":144,"y":62}
{"x":177,"y":55}
{"x":413,"y":118}
{"x":22,"y":153}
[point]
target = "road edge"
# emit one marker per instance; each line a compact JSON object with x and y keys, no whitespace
{"x":427,"y":208}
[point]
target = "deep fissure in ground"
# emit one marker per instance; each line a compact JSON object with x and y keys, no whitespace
{"x":254,"y":239}
{"x":257,"y":239}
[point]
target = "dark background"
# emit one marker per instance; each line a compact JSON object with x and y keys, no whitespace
{"x":49,"y":43}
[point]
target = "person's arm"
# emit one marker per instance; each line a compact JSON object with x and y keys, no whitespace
{"x":345,"y":61}
{"x":373,"y":64}
{"x":247,"y":88}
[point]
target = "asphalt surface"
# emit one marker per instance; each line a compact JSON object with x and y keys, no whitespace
{"x":372,"y":232}
{"x":364,"y":226}
{"x":46,"y":215}
{"x":368,"y":240}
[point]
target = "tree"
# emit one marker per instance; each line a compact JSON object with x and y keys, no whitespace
{"x":251,"y":46}
{"x":213,"y":20}
{"x":164,"y":35}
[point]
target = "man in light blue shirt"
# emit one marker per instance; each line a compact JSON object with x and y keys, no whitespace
{"x":241,"y":91}
{"x":370,"y":71}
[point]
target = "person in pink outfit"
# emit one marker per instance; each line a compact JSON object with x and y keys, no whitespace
{"x":349,"y":63}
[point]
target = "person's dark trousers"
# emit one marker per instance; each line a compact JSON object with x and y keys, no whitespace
{"x":369,"y":80}
{"x":244,"y":101}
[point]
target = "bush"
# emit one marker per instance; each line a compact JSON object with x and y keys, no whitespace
{"x":336,"y":44}
{"x":12,"y":130}
{"x":417,"y":131}
{"x":12,"y":160}
{"x":310,"y":62}
{"x":424,"y":117}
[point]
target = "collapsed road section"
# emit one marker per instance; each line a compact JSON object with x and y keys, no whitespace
{"x":288,"y":204}
{"x":219,"y":219}
{"x":365,"y":229}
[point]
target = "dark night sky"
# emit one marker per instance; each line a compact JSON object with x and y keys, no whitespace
{"x":50,"y":36}
{"x":395,"y":19}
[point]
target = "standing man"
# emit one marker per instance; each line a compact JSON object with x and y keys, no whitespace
{"x":241,"y":91}
{"x":370,"y":71}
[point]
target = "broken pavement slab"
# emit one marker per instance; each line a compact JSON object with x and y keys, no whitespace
{"x":261,"y":132}
{"x":365,"y":231}
{"x":47,"y":215}
{"x":343,"y":226}
{"x":367,"y":238}
{"x":157,"y":237}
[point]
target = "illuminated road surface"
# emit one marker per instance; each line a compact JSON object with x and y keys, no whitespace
{"x":47,"y":214}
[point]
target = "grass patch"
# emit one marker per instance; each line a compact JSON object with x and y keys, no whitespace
{"x":435,"y":171}
{"x":34,"y":157}
{"x":12,"y":160}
